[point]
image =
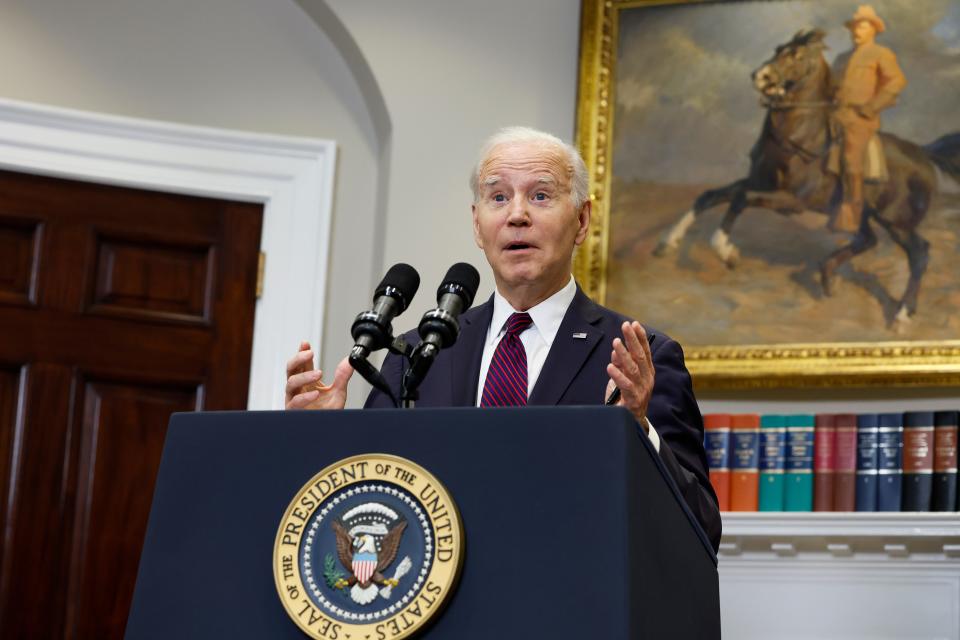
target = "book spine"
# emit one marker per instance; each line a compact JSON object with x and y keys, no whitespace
{"x":866,"y":492}
{"x":945,"y":462}
{"x":773,"y":451}
{"x":918,"y":452}
{"x":798,"y":495}
{"x":718,"y":457}
{"x":890,"y":462}
{"x":744,"y":462}
{"x":824,"y":462}
{"x":845,"y":480}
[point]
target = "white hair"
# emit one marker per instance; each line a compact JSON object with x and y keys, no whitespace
{"x":579,"y":187}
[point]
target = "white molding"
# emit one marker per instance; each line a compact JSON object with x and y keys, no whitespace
{"x":840,"y":575}
{"x":840,"y":601}
{"x":292,"y":177}
{"x":858,"y":524}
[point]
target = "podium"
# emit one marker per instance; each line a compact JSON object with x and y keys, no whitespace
{"x":573,"y":527}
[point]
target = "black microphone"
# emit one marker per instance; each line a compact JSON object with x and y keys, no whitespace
{"x":440,"y":327}
{"x":372,"y":330}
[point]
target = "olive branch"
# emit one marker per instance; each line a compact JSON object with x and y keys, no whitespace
{"x":332,"y":574}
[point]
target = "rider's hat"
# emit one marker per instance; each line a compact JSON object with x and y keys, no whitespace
{"x":866,"y":12}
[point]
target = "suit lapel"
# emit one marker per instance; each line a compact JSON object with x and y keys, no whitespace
{"x":568,"y":354}
{"x":473,"y":333}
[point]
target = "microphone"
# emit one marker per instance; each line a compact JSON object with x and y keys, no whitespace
{"x":372,"y":330}
{"x":440,"y":327}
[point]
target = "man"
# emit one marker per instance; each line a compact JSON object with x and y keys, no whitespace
{"x":869,"y":80}
{"x":539,"y":339}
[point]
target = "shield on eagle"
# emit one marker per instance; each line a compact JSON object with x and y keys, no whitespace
{"x":363,"y":565}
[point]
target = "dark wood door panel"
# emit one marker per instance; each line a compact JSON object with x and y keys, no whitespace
{"x":126,"y":210}
{"x":152,"y":280}
{"x":65,"y":337}
{"x":10,"y":422}
{"x":20,"y":248}
{"x":151,"y":295}
{"x":41,"y":508}
{"x":121,"y":427}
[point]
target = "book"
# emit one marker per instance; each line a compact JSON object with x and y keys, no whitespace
{"x":918,"y":434}
{"x":717,"y":435}
{"x":845,"y":477}
{"x":744,"y":460}
{"x":798,"y":478}
{"x":824,"y":461}
{"x":944,"y":496}
{"x":890,"y":462}
{"x":867,"y":433}
{"x":773,"y":450}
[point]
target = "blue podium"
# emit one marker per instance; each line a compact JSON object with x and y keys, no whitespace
{"x":573,"y":528}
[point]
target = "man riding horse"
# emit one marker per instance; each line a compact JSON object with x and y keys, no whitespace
{"x":868,"y":80}
{"x":792,"y":170}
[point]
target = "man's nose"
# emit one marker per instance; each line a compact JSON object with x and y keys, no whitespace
{"x":518,"y":214}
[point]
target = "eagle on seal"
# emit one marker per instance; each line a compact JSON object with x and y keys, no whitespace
{"x":364,"y":565}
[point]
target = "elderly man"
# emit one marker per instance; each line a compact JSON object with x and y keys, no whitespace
{"x":868,"y":80}
{"x":539,"y":339}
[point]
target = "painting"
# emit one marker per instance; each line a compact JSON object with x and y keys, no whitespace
{"x":777,"y":185}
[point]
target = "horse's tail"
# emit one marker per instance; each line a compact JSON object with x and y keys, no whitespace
{"x":945,"y":153}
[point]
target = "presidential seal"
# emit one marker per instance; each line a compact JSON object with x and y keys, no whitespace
{"x":369,"y":549}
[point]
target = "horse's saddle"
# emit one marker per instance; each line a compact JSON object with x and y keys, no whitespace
{"x":874,"y":161}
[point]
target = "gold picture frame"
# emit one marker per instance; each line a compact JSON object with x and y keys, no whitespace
{"x":898,"y":361}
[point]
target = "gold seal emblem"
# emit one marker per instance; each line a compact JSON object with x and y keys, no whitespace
{"x":369,"y":548}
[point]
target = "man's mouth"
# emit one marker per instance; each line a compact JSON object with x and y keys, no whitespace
{"x":518,"y":246}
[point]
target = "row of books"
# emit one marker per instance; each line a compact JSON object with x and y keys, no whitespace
{"x":834,"y":462}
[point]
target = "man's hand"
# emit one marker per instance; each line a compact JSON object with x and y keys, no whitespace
{"x":631,"y":369}
{"x":305,"y":388}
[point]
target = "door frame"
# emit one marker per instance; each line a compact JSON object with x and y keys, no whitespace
{"x":291,"y":176}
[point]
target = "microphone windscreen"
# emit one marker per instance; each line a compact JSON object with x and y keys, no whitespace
{"x":403,"y":278}
{"x":462,"y":275}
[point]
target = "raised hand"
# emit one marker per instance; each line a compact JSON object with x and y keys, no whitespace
{"x":305,"y":388}
{"x":631,"y":369}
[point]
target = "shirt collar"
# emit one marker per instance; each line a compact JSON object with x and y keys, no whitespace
{"x":546,"y":315}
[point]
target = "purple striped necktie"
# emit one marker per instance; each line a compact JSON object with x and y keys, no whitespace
{"x":506,"y":383}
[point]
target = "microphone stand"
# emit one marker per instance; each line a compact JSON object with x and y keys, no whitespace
{"x":408,"y":397}
{"x":420,"y":359}
{"x":358,"y":360}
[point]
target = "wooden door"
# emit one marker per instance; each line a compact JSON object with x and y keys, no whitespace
{"x":117,"y":308}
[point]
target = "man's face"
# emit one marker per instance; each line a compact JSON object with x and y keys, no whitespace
{"x":863,"y":32}
{"x":524,"y":219}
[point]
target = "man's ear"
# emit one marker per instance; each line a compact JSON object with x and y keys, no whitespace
{"x":476,"y":225}
{"x":583,"y":220}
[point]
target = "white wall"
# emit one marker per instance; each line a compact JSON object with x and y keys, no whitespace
{"x":253,"y":65}
{"x":452,"y":73}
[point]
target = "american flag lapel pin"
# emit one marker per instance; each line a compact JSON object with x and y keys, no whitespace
{"x":580,"y":336}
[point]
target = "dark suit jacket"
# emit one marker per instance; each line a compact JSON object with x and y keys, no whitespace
{"x":575,"y":372}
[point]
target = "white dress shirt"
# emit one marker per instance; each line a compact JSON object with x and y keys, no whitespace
{"x":537,"y":339}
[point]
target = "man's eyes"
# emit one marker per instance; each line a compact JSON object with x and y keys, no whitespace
{"x":540,"y":196}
